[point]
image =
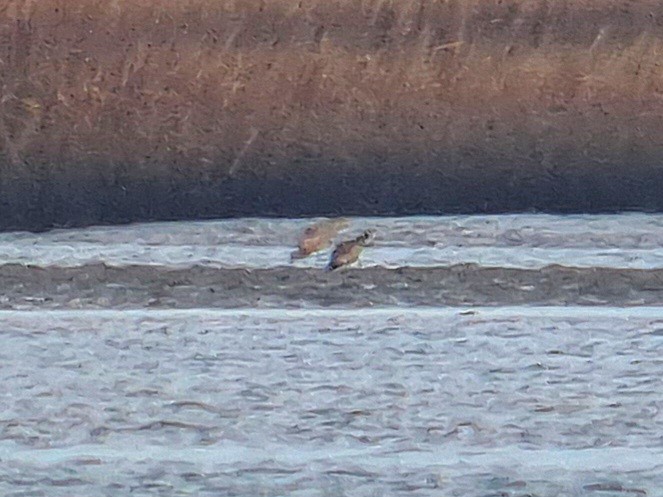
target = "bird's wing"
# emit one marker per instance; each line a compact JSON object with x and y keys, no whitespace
{"x":346,"y":253}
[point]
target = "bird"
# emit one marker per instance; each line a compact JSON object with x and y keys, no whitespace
{"x":318,"y":237}
{"x":348,"y":252}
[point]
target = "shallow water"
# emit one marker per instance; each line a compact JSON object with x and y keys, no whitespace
{"x":305,"y":395}
{"x":540,"y":401}
{"x":519,"y":241}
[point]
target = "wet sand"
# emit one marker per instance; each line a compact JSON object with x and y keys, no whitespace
{"x":100,"y":286}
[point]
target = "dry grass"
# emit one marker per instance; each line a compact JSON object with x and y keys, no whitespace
{"x":210,"y":83}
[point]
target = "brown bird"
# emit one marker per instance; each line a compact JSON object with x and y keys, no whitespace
{"x":348,"y":252}
{"x":318,"y":237}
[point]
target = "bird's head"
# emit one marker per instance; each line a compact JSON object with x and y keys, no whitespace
{"x":367,"y":237}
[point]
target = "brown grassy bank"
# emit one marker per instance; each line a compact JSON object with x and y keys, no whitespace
{"x":122,"y":110}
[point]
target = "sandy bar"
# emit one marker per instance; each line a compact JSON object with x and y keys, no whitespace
{"x":99,"y":287}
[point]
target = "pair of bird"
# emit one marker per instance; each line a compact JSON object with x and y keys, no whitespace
{"x":320,"y":236}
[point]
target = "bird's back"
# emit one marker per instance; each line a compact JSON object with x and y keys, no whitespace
{"x":318,"y":237}
{"x":344,"y":254}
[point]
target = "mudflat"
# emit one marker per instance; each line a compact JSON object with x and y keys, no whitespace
{"x":100,"y":286}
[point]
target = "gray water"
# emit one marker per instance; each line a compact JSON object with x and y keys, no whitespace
{"x":389,"y":400}
{"x":515,"y":241}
